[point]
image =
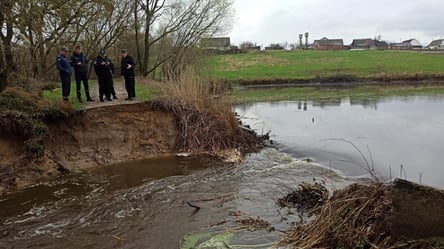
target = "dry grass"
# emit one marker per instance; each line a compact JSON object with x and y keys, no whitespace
{"x":205,"y":122}
{"x":355,"y":217}
{"x":358,"y":216}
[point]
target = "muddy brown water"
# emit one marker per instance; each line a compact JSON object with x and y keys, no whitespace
{"x":143,"y":204}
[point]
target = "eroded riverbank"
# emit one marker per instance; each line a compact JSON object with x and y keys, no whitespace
{"x":121,"y":133}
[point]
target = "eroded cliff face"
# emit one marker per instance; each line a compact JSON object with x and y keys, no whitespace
{"x":111,"y":134}
{"x":92,"y":137}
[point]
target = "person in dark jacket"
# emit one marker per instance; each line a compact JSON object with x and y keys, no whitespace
{"x":65,"y":71}
{"x":127,"y":66}
{"x":104,"y":69}
{"x":80,"y":64}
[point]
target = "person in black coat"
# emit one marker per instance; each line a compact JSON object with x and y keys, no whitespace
{"x":80,"y":64}
{"x":104,"y":69}
{"x":127,"y":67}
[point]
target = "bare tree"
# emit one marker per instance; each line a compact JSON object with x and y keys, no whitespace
{"x":164,"y":31}
{"x":6,"y":33}
{"x":43,"y":26}
{"x":182,"y":24}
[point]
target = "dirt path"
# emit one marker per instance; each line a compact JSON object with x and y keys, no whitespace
{"x":119,"y":87}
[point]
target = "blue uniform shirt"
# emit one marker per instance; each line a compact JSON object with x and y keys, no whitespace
{"x":63,"y":64}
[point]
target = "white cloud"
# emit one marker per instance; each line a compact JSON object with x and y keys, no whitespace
{"x":268,"y":22}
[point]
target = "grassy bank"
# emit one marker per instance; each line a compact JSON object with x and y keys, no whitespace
{"x":321,"y":64}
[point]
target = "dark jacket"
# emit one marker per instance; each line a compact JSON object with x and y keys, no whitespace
{"x":63,"y":64}
{"x":124,"y":62}
{"x":103,"y":67}
{"x":75,"y":59}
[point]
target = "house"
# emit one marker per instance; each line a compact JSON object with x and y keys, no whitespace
{"x":218,"y":44}
{"x":382,"y":45}
{"x":436,"y":44}
{"x":328,"y":44}
{"x":406,"y":45}
{"x":362,"y":44}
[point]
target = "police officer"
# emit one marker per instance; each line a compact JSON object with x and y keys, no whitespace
{"x":104,"y":69}
{"x":65,"y":71}
{"x":80,"y":64}
{"x":127,"y":66}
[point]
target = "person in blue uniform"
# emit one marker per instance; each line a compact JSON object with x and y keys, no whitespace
{"x":65,"y":71}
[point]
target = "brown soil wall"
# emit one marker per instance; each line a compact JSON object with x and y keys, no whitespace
{"x":418,"y":211}
{"x":92,"y":137}
{"x":111,"y":134}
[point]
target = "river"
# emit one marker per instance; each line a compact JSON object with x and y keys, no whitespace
{"x":395,"y":136}
{"x":143,"y":204}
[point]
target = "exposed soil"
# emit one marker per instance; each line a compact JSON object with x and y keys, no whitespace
{"x":111,"y":134}
{"x":119,"y":131}
{"x":96,"y":136}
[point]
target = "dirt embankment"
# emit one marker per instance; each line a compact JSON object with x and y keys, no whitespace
{"x":340,"y":80}
{"x":111,"y":134}
{"x":92,"y":137}
{"x":123,"y":132}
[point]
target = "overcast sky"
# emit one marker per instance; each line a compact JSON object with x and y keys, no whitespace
{"x":266,"y":21}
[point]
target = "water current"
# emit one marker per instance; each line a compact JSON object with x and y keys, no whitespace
{"x":144,"y":204}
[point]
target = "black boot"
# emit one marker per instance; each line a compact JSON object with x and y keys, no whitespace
{"x":88,"y":96}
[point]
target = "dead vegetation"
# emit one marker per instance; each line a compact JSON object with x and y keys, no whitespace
{"x":358,"y":216}
{"x":341,"y":79}
{"x":412,"y":77}
{"x":249,"y":222}
{"x":306,"y":198}
{"x":205,"y":122}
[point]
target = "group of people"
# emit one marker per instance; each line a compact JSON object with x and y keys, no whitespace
{"x":104,"y":69}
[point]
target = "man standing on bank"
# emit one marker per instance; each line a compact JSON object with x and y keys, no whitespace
{"x":65,"y":70}
{"x":80,"y":65}
{"x":127,"y":66}
{"x":104,"y":69}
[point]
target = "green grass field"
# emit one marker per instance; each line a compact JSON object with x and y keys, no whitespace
{"x":314,"y":64}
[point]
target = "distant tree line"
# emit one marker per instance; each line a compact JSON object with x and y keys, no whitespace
{"x":161,"y":34}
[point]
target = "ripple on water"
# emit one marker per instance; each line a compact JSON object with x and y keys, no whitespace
{"x":155,"y":212}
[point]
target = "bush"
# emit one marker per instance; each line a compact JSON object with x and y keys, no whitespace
{"x":23,"y":115}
